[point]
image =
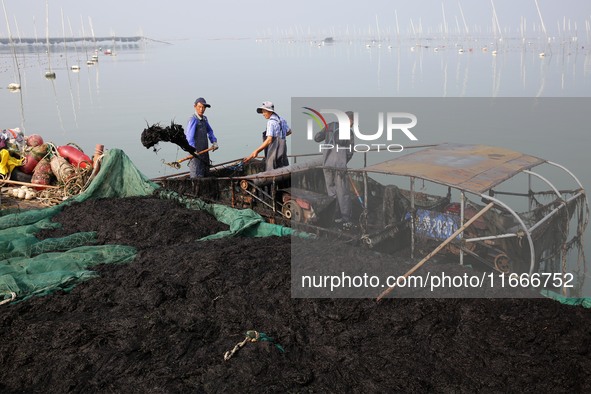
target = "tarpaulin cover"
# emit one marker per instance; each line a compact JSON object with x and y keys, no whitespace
{"x":243,"y":222}
{"x":585,"y":302}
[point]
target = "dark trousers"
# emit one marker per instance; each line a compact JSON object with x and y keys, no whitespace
{"x":337,"y":185}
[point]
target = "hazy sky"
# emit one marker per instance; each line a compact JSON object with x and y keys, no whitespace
{"x":176,"y":19}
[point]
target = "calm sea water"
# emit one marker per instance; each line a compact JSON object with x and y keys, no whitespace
{"x":111,"y":102}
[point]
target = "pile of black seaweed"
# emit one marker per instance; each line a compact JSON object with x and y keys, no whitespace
{"x":162,"y":324}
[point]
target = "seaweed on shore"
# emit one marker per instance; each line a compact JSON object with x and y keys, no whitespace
{"x":163,"y":322}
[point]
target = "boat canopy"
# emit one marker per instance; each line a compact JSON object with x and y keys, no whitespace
{"x":472,"y":168}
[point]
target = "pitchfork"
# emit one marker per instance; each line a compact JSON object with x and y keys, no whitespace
{"x":177,"y":164}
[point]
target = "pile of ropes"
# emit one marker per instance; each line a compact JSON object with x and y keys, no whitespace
{"x":73,"y":186}
{"x":71,"y":180}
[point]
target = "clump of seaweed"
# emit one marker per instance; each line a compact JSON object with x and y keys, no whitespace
{"x":174,"y":133}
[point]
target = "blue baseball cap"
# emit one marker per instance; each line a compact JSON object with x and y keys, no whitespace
{"x":202,"y":101}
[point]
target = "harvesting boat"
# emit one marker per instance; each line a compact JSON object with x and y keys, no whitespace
{"x":472,"y":215}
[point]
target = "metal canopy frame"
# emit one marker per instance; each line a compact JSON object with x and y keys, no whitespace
{"x":474,"y":169}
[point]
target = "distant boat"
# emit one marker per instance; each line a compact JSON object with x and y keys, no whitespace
{"x":14,"y":86}
{"x":49,"y":74}
{"x":75,"y":68}
{"x":108,"y":52}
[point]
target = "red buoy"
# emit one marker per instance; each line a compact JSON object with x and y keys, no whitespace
{"x":75,"y":156}
{"x":29,"y":164}
{"x":34,"y":140}
{"x":42,"y":173}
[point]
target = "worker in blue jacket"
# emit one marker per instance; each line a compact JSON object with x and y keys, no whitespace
{"x":198,"y":132}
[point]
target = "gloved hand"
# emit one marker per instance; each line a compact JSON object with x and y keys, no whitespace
{"x":215,"y":146}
